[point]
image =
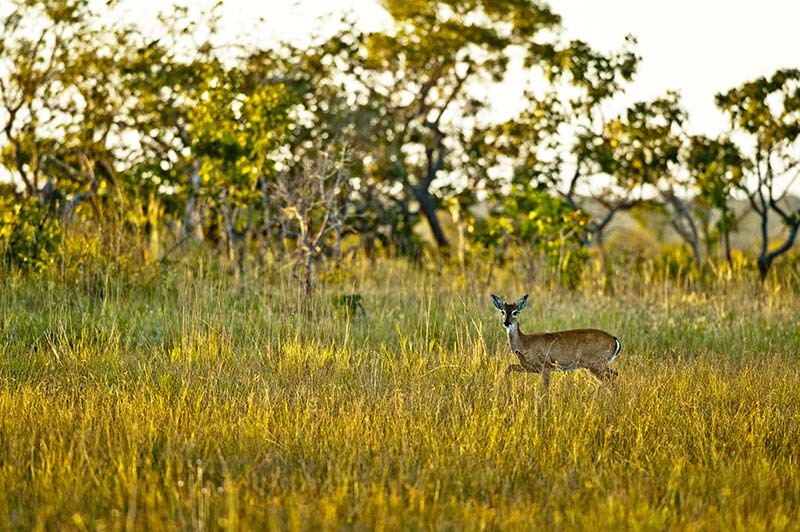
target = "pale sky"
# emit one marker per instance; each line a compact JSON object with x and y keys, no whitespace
{"x":699,"y":47}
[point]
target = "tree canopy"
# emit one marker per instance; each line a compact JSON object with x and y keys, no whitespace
{"x":373,"y":138}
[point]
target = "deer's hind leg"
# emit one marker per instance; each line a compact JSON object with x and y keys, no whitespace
{"x":604,"y":374}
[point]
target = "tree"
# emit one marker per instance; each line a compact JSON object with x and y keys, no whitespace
{"x":312,"y":208}
{"x":333,"y":112}
{"x":562,"y":140}
{"x":630,"y":157}
{"x":56,"y":101}
{"x":104,"y":115}
{"x":768,"y":111}
{"x":234,"y":136}
{"x":63,"y":106}
{"x":419,"y":76}
{"x":715,"y":168}
{"x":166,"y":72}
{"x":539,"y":223}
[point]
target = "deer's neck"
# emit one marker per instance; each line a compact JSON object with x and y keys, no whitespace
{"x":514,"y":336}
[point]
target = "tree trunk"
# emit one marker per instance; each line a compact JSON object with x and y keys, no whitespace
{"x":764,"y":263}
{"x":726,"y":239}
{"x":695,"y":247}
{"x":766,"y":257}
{"x":192,"y":223}
{"x":309,"y":268}
{"x":608,"y":284}
{"x":684,"y":224}
{"x":428,"y":208}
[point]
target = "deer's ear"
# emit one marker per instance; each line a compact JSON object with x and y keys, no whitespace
{"x":497,"y":302}
{"x":522,"y":302}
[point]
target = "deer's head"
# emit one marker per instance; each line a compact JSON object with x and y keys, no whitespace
{"x":509,"y":311}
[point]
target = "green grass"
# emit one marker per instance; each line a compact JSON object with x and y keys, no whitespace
{"x":188,"y":400}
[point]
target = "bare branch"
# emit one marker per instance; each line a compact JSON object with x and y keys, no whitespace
{"x":456,"y":90}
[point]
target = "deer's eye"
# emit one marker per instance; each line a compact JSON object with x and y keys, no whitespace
{"x":514,"y":313}
{"x":503,"y":312}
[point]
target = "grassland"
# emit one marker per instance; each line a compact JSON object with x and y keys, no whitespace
{"x":181,"y":398}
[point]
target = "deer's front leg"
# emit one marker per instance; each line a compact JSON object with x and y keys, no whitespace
{"x":546,"y":380}
{"x":512,"y":368}
{"x":515,"y":367}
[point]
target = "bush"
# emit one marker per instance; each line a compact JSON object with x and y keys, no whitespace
{"x":540,"y":225}
{"x":30,"y":236}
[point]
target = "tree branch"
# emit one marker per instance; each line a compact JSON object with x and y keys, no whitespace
{"x":459,"y":84}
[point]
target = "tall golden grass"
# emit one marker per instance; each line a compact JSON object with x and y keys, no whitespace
{"x":190,"y":400}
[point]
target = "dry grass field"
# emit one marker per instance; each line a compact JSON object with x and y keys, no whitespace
{"x":189,"y":400}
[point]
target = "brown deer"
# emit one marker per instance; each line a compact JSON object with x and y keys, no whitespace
{"x":590,"y":349}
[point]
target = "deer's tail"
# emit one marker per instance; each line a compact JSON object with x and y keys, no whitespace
{"x":616,"y":350}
